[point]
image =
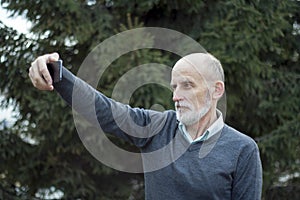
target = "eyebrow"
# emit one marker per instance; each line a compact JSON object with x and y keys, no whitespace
{"x":182,"y":82}
{"x":187,"y":81}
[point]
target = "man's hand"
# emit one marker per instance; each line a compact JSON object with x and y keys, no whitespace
{"x":39,"y":74}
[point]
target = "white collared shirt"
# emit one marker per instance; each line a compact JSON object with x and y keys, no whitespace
{"x":212,"y":130}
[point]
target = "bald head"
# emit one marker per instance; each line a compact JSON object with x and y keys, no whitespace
{"x":205,"y":64}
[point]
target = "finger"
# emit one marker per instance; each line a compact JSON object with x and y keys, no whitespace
{"x":43,"y":70}
{"x":34,"y":77}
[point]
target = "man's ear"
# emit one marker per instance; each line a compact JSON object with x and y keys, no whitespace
{"x":218,"y":90}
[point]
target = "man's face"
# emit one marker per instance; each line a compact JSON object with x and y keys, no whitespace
{"x":190,"y":92}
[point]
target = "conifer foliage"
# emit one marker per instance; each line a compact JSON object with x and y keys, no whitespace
{"x":258,"y":43}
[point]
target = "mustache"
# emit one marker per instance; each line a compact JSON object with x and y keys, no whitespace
{"x":182,"y":104}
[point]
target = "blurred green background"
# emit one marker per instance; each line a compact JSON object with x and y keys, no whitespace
{"x":258,"y":43}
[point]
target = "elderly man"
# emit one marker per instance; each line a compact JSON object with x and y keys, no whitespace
{"x":210,"y":160}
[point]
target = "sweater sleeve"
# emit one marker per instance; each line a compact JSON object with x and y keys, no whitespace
{"x":132,"y":124}
{"x":247,"y":182}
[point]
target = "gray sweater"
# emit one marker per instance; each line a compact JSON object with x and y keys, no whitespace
{"x":226,"y":166}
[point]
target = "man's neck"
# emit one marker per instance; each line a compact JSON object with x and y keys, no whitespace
{"x":196,"y":130}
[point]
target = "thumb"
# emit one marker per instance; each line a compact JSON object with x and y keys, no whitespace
{"x":53,"y":57}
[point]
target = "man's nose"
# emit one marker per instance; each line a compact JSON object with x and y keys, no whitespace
{"x":176,"y":96}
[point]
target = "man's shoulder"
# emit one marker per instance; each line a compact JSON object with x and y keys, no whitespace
{"x":236,"y":137}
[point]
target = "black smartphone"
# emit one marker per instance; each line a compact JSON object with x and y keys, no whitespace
{"x":55,"y":70}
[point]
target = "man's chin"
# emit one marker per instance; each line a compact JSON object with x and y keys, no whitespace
{"x":186,"y":121}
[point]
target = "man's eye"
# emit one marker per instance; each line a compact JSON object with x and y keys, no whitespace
{"x":187,"y":85}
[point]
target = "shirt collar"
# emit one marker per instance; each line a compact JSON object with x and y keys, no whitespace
{"x":212,"y":130}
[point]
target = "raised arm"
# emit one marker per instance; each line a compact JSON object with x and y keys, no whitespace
{"x":133,"y":124}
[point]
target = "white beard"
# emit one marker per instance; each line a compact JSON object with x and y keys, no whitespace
{"x":190,"y":116}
